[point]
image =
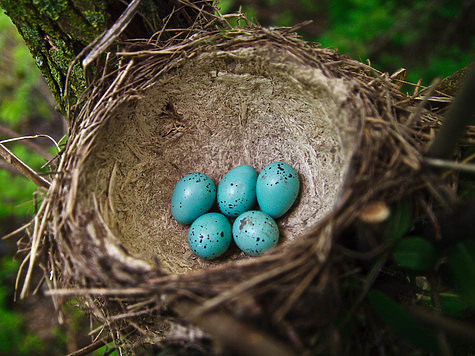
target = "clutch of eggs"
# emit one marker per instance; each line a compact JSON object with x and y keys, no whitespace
{"x":275,"y":190}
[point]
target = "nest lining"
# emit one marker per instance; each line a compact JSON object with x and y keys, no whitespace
{"x":210,"y":114}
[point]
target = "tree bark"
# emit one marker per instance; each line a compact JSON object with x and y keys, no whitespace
{"x":56,"y":31}
{"x":453,"y":83}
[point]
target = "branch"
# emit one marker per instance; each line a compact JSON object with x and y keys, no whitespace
{"x":453,"y":83}
{"x":29,"y":173}
{"x":9,"y":168}
{"x":442,"y":163}
{"x":113,"y":33}
{"x":461,"y":113}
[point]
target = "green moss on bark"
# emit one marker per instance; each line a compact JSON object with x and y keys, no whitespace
{"x":452,"y":84}
{"x":51,"y":7}
{"x":55,"y":32}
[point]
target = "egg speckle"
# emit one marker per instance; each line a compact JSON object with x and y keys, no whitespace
{"x":193,"y":196}
{"x":255,"y":232}
{"x":237,"y":191}
{"x":210,"y":235}
{"x":277,"y":188}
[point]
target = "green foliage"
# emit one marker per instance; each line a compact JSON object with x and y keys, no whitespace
{"x":420,"y":260}
{"x":415,"y":253}
{"x":447,"y":60}
{"x":19,"y":190}
{"x":285,"y":18}
{"x":19,"y":78}
{"x":462,"y":265}
{"x":355,"y":23}
{"x":419,"y":35}
{"x":14,"y":339}
{"x":225,"y":6}
{"x":402,"y":322}
{"x":396,"y":34}
{"x":451,"y":304}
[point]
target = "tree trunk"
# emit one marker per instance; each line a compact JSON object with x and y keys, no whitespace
{"x":56,"y":31}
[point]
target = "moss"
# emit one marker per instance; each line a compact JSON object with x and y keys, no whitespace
{"x":75,"y":22}
{"x":452,"y":84}
{"x":96,"y":19}
{"x":15,"y":12}
{"x":90,"y":5}
{"x":53,"y":8}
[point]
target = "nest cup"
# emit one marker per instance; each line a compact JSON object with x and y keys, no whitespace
{"x":210,"y":114}
{"x":207,"y":104}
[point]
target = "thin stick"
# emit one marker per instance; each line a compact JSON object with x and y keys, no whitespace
{"x":417,"y":111}
{"x":368,"y":283}
{"x":97,"y":291}
{"x":23,"y":168}
{"x":242,"y":287}
{"x":297,"y":292}
{"x":18,"y":275}
{"x":17,"y":231}
{"x":444,"y":347}
{"x":38,"y":230}
{"x":20,"y":138}
{"x":444,"y":163}
{"x":97,"y":344}
{"x":31,"y":145}
{"x":112,"y":34}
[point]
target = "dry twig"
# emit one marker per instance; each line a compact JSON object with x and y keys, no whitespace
{"x":29,"y":173}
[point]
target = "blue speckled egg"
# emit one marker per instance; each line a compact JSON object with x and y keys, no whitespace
{"x":255,"y":232}
{"x":237,"y":191}
{"x":210,"y":235}
{"x":277,"y":188}
{"x":193,"y":195}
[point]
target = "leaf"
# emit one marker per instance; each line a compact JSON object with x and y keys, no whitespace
{"x":462,"y":265}
{"x":451,"y":304}
{"x":401,"y":322}
{"x":399,"y":221}
{"x":415,"y":253}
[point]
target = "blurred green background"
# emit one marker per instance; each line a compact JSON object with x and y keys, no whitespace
{"x":428,"y":38}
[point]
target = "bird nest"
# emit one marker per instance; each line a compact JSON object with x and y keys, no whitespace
{"x":206,"y":103}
